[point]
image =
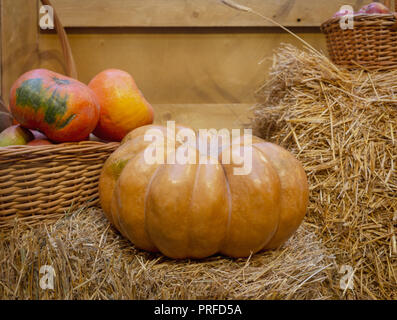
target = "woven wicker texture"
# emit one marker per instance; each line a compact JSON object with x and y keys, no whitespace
{"x":43,"y":182}
{"x":372,"y":43}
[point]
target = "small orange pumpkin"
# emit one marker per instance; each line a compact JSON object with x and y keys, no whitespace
{"x":64,"y":109}
{"x":123,"y":106}
{"x":197,"y":210}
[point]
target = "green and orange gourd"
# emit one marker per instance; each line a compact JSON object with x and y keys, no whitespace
{"x":62,"y":108}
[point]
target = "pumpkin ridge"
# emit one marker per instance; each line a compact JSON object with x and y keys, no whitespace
{"x":230,"y":204}
{"x":118,"y":204}
{"x":189,"y":240}
{"x":145,"y":202}
{"x":279,"y":213}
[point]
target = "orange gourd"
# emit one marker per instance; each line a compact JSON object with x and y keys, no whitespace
{"x":197,"y":210}
{"x":62,"y":108}
{"x":123,"y":106}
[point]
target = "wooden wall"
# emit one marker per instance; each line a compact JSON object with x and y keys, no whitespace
{"x":198,"y":61}
{"x":179,"y":65}
{"x":19,"y":42}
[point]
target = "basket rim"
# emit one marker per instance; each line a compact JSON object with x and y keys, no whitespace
{"x":63,"y":148}
{"x":387,"y":19}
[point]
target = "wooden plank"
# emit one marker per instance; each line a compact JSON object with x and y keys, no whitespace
{"x":19,"y":41}
{"x":194,"y":13}
{"x":204,"y":116}
{"x":2,"y":106}
{"x":206,"y":65}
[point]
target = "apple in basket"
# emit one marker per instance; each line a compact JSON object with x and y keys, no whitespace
{"x":342,"y":13}
{"x":375,"y":8}
{"x":5,"y":120}
{"x":15,"y":135}
{"x":39,"y":142}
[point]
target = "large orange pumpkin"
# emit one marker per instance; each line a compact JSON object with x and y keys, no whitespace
{"x":123,"y":106}
{"x":197,"y":210}
{"x":64,"y":109}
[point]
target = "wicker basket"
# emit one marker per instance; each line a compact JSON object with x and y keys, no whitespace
{"x":371,"y":44}
{"x":41,"y":183}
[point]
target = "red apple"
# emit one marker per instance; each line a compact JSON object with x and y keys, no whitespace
{"x":342,"y":13}
{"x":375,"y":8}
{"x":39,"y":142}
{"x":14,"y":136}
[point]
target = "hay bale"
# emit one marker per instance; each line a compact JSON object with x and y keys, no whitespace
{"x":343,"y":127}
{"x":92,"y":261}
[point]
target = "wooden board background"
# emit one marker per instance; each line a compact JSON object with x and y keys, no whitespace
{"x":194,"y":13}
{"x":178,"y":66}
{"x":197,"y":61}
{"x":19,"y":40}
